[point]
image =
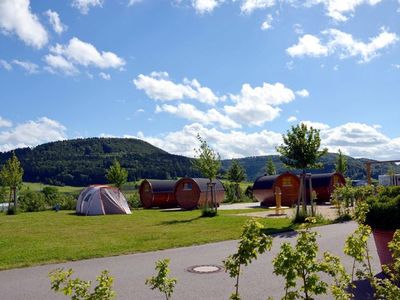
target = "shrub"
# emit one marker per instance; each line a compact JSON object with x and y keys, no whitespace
{"x":384,"y":212}
{"x":134,"y":200}
{"x":32,"y":201}
{"x":66,"y":201}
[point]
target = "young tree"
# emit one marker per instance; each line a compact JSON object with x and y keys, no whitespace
{"x":270,"y":167}
{"x":11,"y":176}
{"x":208,"y":162}
{"x":341,"y":163}
{"x":117,"y":175}
{"x":300,"y":150}
{"x":236,"y":174}
{"x":161,"y":281}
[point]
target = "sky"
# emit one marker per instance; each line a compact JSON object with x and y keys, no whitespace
{"x":238,"y":72}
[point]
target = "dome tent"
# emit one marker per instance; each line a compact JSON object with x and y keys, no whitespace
{"x":101,"y":200}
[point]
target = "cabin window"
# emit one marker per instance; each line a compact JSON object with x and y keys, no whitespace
{"x":147,"y":188}
{"x":287,"y":182}
{"x":187,"y":186}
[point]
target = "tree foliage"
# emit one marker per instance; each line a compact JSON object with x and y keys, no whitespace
{"x":79,"y":289}
{"x":235,"y":175}
{"x":341,"y":163}
{"x":300,"y":148}
{"x":270,"y":167}
{"x":117,"y":175}
{"x":252,"y":242}
{"x":11,"y":176}
{"x":161,"y":281}
{"x":207,"y":161}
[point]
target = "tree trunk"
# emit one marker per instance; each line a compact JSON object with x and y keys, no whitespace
{"x":303,"y":193}
{"x":15,"y":198}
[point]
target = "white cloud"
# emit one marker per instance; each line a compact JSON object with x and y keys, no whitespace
{"x":5,"y":123}
{"x":292,"y":119}
{"x":84,"y":5}
{"x":16,"y":17}
{"x":5,"y":65}
{"x":343,"y":44}
{"x":28,"y":66}
{"x":255,"y":106}
{"x":298,"y":28}
{"x":248,"y":6}
{"x":308,"y":45}
{"x":57,"y":63}
{"x":105,"y":76}
{"x":228,"y":144}
{"x":303,"y":93}
{"x":158,"y":86}
{"x":205,"y":6}
{"x":337,"y":9}
{"x":55,"y":21}
{"x":133,"y":2}
{"x":85,"y":54}
{"x":346,"y":46}
{"x":190,"y":112}
{"x":354,"y":139}
{"x":267,"y":24}
{"x":31,"y":133}
{"x":315,"y":125}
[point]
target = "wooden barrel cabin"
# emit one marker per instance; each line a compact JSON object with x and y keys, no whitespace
{"x":157,"y":193}
{"x":190,"y":193}
{"x":265,"y":188}
{"x":324,"y":185}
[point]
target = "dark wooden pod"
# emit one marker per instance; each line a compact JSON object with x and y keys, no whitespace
{"x":324,"y":185}
{"x":266,"y":187}
{"x":190,"y":193}
{"x":157,"y":193}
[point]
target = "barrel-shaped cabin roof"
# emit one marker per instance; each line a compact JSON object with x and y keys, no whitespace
{"x":324,"y":179}
{"x":161,"y":186}
{"x":202,"y":183}
{"x":266,"y":182}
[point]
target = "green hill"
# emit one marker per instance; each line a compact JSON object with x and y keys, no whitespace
{"x":81,"y":162}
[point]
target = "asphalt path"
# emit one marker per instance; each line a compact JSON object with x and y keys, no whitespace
{"x":130,"y":271}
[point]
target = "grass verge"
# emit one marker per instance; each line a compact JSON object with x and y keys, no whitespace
{"x":48,"y":237}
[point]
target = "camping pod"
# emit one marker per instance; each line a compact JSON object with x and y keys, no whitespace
{"x":101,"y":200}
{"x":157,"y":193}
{"x":266,"y":188}
{"x":191,"y":193}
{"x":324,"y":185}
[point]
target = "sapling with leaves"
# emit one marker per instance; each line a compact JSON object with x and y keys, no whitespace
{"x":208,"y":162}
{"x":79,"y":289}
{"x":236,"y":174}
{"x":301,"y":150}
{"x":253,"y":241}
{"x":161,"y":281}
{"x":299,"y":264}
{"x":117,"y":175}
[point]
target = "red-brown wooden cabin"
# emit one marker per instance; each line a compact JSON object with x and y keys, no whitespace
{"x":157,"y":193}
{"x":190,"y":193}
{"x":265,"y":189}
{"x":324,"y":185}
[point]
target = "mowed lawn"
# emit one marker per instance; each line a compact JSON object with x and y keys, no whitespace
{"x":47,"y":237}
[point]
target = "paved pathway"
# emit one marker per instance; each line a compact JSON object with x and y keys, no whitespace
{"x":130,"y":271}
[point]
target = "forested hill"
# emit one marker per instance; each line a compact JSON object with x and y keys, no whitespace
{"x":255,"y":166}
{"x":84,"y":161}
{"x":81,"y":162}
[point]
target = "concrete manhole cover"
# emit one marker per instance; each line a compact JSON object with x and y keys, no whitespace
{"x":204,"y":269}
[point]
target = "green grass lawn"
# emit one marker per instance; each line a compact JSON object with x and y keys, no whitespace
{"x":48,"y":237}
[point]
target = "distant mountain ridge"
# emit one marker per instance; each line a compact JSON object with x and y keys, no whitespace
{"x":80,"y":162}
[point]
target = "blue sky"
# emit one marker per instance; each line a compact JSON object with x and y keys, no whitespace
{"x":239,"y":73}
